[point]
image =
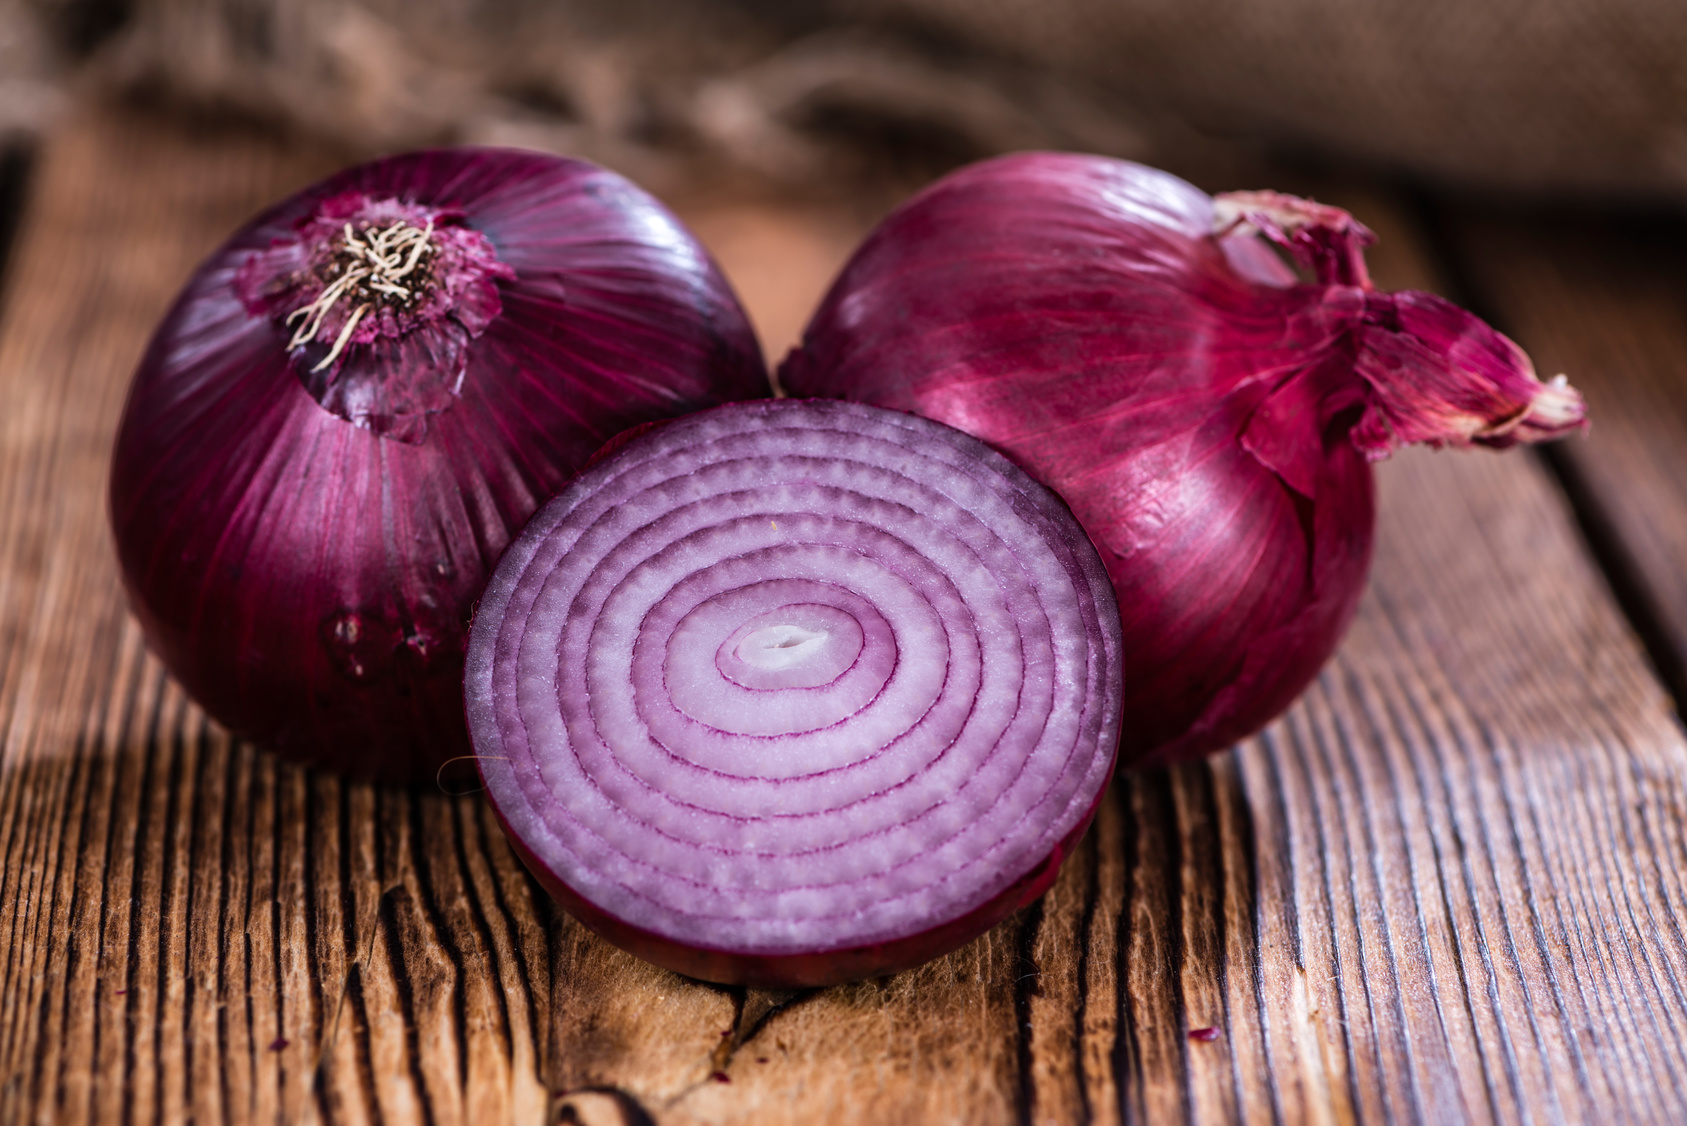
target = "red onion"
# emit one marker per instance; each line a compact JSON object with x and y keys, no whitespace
{"x":789,"y":693}
{"x":1126,"y":339}
{"x":358,"y":399}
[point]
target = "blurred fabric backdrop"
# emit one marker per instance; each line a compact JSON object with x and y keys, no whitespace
{"x":1579,"y":97}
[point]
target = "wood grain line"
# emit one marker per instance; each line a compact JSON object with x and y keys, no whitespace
{"x":1026,"y":985}
{"x":1101,"y":1015}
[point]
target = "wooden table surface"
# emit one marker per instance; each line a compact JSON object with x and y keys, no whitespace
{"x":1446,"y":886}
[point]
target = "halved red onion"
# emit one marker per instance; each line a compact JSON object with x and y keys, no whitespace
{"x":791,"y":692}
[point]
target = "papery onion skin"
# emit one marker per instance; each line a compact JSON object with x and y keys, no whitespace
{"x":1126,"y":339}
{"x":982,"y":664}
{"x":307,"y":571}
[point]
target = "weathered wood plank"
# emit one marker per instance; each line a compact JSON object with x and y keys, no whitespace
{"x":1447,"y":886}
{"x":1488,"y":677}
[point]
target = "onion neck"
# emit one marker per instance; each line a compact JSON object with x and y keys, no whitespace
{"x":1428,"y":372}
{"x":1437,"y":375}
{"x":1323,"y":239}
{"x":377,"y":301}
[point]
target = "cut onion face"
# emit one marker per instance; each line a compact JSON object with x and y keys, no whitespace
{"x":789,"y":693}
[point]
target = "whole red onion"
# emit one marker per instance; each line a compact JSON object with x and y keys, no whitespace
{"x":789,"y":693}
{"x":357,"y":400}
{"x":1128,"y":340}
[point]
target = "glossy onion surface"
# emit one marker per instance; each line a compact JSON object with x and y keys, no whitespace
{"x":1130,"y":341}
{"x":788,"y":693}
{"x":303,"y":531}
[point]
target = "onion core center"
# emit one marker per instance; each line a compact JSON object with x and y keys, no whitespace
{"x":780,"y":647}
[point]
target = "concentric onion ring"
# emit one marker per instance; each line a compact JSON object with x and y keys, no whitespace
{"x":793,"y":692}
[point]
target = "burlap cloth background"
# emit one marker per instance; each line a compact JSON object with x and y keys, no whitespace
{"x":1586,"y":96}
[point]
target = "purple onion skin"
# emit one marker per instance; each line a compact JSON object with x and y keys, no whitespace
{"x":308,"y":580}
{"x":1125,"y":339}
